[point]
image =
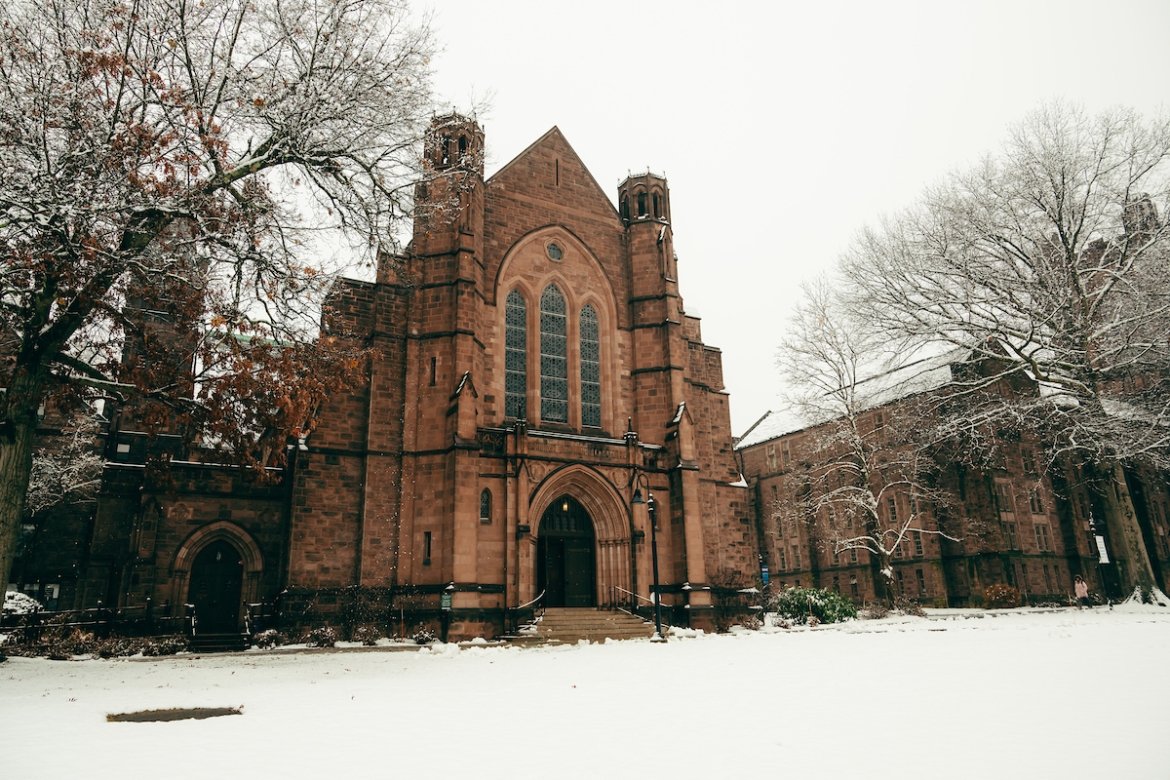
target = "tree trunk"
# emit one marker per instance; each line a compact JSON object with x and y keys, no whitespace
{"x":16,"y":454}
{"x":1121,"y":525}
{"x":883,"y":583}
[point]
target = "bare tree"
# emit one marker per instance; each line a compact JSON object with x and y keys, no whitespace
{"x":870,"y":477}
{"x":168,"y":167}
{"x":1050,"y":264}
{"x":67,"y":466}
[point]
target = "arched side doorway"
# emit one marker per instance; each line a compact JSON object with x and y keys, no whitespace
{"x":218,"y":569}
{"x":565,"y":555}
{"x":217,"y":579}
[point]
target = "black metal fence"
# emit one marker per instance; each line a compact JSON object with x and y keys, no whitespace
{"x":102,"y":622}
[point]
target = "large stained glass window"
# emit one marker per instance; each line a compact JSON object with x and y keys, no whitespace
{"x":515,"y":355}
{"x":590,"y":369}
{"x":554,"y":362}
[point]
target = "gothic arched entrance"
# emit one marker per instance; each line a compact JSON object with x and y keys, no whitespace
{"x":565,"y":558}
{"x":217,"y":579}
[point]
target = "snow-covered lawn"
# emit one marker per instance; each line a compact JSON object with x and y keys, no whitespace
{"x":1064,"y":694}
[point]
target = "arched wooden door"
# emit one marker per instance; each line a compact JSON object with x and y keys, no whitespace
{"x":217,"y":578}
{"x":565,"y":558}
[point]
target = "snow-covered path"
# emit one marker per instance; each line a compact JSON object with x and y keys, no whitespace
{"x":1060,"y":694}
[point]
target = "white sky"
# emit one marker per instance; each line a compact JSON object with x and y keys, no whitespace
{"x":784,"y":127}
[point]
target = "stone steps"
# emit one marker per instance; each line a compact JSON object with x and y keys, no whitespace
{"x":569,"y":625}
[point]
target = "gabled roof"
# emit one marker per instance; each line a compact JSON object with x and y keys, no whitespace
{"x":555,"y":138}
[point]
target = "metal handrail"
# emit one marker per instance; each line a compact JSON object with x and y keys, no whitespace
{"x":530,"y":603}
{"x":517,"y":613}
{"x":639,"y":598}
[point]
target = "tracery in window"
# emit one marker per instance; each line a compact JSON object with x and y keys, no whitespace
{"x":515,"y":355}
{"x":590,"y":369}
{"x":485,"y":507}
{"x":554,"y":362}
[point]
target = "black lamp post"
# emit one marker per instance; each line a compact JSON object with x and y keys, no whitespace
{"x":652,"y":511}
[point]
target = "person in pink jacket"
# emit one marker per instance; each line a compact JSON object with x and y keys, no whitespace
{"x":1081,"y":588}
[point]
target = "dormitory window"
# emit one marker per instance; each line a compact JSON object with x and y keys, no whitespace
{"x":485,"y":507}
{"x":590,"y":369}
{"x":1043,"y":538}
{"x":554,"y":361}
{"x":1003,"y":498}
{"x":515,"y":355}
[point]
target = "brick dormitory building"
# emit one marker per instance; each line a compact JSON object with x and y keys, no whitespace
{"x":1015,"y":521}
{"x":534,"y":376}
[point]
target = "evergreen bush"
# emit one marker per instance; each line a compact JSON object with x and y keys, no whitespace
{"x":800,"y":604}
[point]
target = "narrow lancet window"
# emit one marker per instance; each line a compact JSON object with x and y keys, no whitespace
{"x":590,"y":369}
{"x":554,"y":362}
{"x":515,"y":356}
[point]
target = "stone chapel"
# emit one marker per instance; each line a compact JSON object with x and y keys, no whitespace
{"x":534,"y":378}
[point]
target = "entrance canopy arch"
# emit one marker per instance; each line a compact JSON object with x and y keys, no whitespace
{"x":599,"y":499}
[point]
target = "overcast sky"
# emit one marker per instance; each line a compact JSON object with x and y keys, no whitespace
{"x":782,"y":127}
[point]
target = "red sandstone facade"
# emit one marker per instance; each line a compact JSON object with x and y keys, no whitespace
{"x":501,"y":459}
{"x":532,"y":367}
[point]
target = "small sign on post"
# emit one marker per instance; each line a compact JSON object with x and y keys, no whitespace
{"x":445,"y":601}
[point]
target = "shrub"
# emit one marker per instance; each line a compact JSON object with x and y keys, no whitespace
{"x":366,"y":634}
{"x":751,"y":622}
{"x":875,"y":611}
{"x":324,"y":636}
{"x":908,"y":607}
{"x":16,"y":603}
{"x":268,"y":639}
{"x":76,"y":642}
{"x":1000,"y":596}
{"x":164,"y":645}
{"x":801,"y":604}
{"x":117,"y":647}
{"x":423,"y":635}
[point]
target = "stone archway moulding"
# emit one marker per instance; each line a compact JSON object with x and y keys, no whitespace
{"x":611,"y":524}
{"x":227,"y":531}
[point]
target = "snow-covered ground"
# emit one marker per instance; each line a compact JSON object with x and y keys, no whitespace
{"x":1065,"y":694}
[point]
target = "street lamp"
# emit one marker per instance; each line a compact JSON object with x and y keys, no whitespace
{"x":652,"y":510}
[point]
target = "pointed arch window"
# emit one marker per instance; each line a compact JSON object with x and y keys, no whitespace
{"x":554,"y":362}
{"x":590,"y":369}
{"x":485,"y":507}
{"x":515,"y":355}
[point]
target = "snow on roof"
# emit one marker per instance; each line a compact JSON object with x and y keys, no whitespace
{"x":910,"y":378}
{"x":772,"y":425}
{"x":879,"y":389}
